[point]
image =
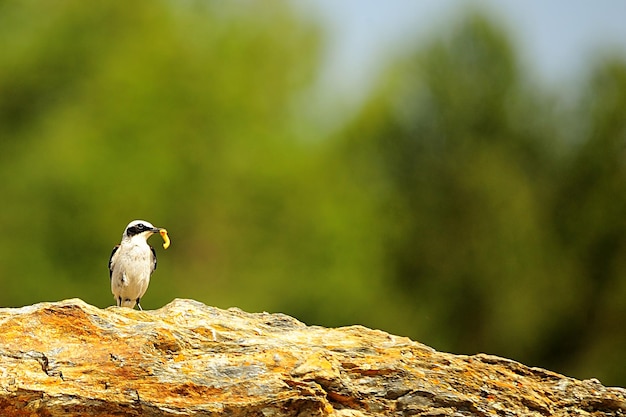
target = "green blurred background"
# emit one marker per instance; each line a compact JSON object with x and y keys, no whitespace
{"x":462,"y":204}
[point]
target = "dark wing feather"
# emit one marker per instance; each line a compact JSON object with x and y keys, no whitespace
{"x":111,"y":261}
{"x":154,"y":261}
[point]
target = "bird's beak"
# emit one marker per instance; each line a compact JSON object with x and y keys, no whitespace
{"x":156,"y":230}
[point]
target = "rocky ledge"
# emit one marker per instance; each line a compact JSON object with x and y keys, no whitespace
{"x":70,"y":358}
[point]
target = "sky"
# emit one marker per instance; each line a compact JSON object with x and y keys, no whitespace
{"x":556,"y":39}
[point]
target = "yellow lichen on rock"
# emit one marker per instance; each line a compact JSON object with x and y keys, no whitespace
{"x":70,"y":358}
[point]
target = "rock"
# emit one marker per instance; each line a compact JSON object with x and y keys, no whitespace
{"x":188,"y":359}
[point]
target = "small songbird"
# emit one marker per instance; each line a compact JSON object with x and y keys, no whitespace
{"x":132,"y":262}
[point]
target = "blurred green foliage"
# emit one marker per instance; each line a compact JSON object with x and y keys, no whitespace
{"x":465,"y":206}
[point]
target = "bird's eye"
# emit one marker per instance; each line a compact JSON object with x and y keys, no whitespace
{"x":141,"y":226}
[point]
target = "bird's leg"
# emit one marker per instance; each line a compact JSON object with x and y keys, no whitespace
{"x":119,"y":301}
{"x":139,"y":305}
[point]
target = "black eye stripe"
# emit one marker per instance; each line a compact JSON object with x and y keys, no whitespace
{"x":136,"y":229}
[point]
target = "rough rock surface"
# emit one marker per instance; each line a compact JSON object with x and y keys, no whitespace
{"x":70,"y":358}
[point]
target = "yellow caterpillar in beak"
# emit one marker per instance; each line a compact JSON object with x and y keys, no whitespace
{"x":166,"y":238}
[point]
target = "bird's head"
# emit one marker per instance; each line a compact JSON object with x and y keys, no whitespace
{"x":139,"y":228}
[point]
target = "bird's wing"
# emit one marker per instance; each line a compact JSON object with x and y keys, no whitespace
{"x":154,"y":261}
{"x":111,"y":260}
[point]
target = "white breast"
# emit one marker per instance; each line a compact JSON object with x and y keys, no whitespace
{"x":132,"y":268}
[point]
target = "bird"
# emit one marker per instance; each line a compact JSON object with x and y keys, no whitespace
{"x":132,"y":263}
